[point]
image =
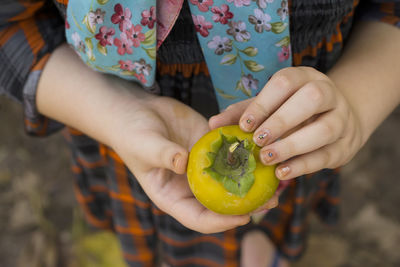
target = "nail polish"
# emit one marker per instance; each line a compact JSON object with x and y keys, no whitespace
{"x":283,"y":171}
{"x":269,"y":156}
{"x":248,"y":123}
{"x":261,"y":138}
{"x":175,"y":160}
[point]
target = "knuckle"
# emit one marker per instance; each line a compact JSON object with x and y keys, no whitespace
{"x":340,"y":127}
{"x":291,"y":149}
{"x":314,"y":72}
{"x":259,"y":105}
{"x":328,"y":130}
{"x":284,"y":79}
{"x":337,"y":159}
{"x":279,"y":124}
{"x":305,"y":167}
{"x":326,"y":159}
{"x":314,"y":93}
{"x":307,"y":69}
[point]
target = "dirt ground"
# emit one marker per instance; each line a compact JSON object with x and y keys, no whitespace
{"x":40,"y":224}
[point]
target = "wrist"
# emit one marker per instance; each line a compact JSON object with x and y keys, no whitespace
{"x":73,"y":94}
{"x":126,"y":111}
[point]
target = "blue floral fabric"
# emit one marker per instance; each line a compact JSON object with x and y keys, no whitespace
{"x":116,"y":37}
{"x":243,"y":41}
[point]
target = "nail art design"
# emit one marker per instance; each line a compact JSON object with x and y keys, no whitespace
{"x":262,"y":136}
{"x":269,"y":156}
{"x":247,"y":124}
{"x":283,"y":171}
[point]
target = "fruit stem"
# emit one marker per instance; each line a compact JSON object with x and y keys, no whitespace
{"x":230,"y":157}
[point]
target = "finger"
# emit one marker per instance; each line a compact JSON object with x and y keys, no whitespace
{"x":270,"y":204}
{"x":205,"y":221}
{"x":230,"y":115}
{"x":326,"y":157}
{"x":314,"y":97}
{"x":280,"y":87}
{"x":323,"y":131}
{"x":156,"y":151}
{"x":176,"y":199}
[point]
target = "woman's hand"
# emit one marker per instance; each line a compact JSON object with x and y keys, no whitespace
{"x":301,"y":120}
{"x":151,"y":134}
{"x":153,"y":139}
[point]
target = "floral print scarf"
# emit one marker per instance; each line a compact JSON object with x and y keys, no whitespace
{"x":243,"y":41}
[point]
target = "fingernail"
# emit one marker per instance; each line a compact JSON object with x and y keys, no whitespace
{"x":247,"y":124}
{"x":261,"y":138}
{"x":283,"y":171}
{"x":269,"y":156}
{"x":175,"y":160}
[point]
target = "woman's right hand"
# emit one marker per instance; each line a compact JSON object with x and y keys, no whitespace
{"x":153,"y":138}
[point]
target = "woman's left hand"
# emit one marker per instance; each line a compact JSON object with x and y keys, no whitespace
{"x":301,"y":120}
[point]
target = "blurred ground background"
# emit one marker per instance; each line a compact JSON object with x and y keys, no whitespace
{"x":40,"y":224}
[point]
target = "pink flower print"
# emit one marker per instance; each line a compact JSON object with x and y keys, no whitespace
{"x":96,"y":17}
{"x":202,"y":26}
{"x":221,"y":14}
{"x":126,"y":65}
{"x":260,"y":21}
{"x":136,"y":35}
{"x":238,"y":31}
{"x":124,"y":45}
{"x":202,"y":4}
{"x":239,"y":3}
{"x":149,"y":17}
{"x":220,"y":45}
{"x":121,"y":16}
{"x":105,"y":36}
{"x":284,"y":54}
{"x":141,"y":67}
{"x":249,"y":83}
{"x":141,"y":78}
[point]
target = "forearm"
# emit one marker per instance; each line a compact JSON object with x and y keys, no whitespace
{"x":79,"y":97}
{"x":368,"y":73}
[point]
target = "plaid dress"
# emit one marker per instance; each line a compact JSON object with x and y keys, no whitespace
{"x":109,"y":194}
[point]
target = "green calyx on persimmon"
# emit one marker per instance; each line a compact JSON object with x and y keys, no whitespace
{"x":232,"y":164}
{"x":226,"y":175}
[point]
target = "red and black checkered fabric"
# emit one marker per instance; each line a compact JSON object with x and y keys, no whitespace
{"x":109,"y":194}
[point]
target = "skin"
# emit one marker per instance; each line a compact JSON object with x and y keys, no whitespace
{"x":309,"y":120}
{"x":322,"y":120}
{"x":347,"y":105}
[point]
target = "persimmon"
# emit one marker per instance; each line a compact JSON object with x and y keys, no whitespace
{"x":226,"y":175}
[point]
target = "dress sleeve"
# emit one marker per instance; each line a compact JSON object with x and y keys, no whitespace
{"x":387,"y":11}
{"x":29,"y":32}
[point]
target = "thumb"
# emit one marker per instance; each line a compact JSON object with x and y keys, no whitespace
{"x":157,"y":151}
{"x":230,"y":115}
